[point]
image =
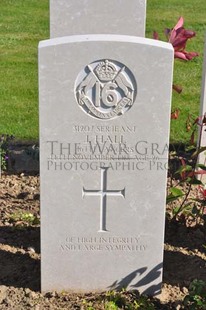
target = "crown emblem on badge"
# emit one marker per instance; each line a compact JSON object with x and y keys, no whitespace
{"x":105,"y":89}
{"x":106,"y":71}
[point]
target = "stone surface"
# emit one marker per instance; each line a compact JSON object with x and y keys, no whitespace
{"x":23,"y":159}
{"x":71,"y":17}
{"x":202,"y":156}
{"x":104,"y":129}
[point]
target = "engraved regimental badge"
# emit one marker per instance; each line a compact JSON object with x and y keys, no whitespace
{"x":105,"y":89}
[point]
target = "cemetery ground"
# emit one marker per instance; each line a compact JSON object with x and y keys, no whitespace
{"x":184,"y":258}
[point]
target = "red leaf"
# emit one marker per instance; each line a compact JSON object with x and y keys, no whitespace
{"x":177,"y":88}
{"x":180,"y":55}
{"x":183,"y":174}
{"x":200,"y":172}
{"x":175,"y":114}
{"x":198,"y":121}
{"x":179,"y":23}
{"x":178,"y":37}
{"x":192,"y":138}
{"x":155,"y":35}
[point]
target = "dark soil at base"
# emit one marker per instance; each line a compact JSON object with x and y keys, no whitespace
{"x":184,"y":257}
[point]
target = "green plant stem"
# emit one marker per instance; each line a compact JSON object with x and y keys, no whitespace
{"x":193,"y":174}
{"x":183,"y":202}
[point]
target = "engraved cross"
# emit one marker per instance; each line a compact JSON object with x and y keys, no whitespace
{"x":103,"y":192}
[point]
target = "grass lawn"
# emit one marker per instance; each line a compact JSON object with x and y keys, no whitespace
{"x":164,"y":14}
{"x":23,"y":23}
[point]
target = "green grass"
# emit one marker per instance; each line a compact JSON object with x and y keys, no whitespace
{"x":23,"y":23}
{"x":163,"y":14}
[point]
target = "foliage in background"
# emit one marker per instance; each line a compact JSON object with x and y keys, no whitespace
{"x":196,"y":299}
{"x":25,"y":22}
{"x":128,"y":300}
{"x":24,"y":219}
{"x":162,"y":14}
{"x":4,"y":150}
{"x":187,"y":173}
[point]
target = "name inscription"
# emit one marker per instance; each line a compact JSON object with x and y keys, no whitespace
{"x":98,"y":147}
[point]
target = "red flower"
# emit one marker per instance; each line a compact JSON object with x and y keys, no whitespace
{"x":178,"y":37}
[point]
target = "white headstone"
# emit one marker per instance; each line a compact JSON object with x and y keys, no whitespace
{"x":71,"y":17}
{"x":104,"y":132}
{"x":202,"y":156}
